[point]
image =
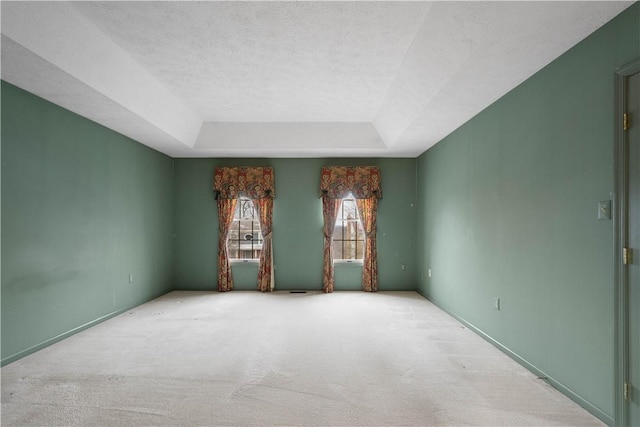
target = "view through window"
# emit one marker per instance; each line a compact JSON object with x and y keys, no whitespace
{"x":245,"y":237}
{"x":348,"y":234}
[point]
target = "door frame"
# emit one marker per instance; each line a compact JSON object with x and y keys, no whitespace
{"x":621,"y":205}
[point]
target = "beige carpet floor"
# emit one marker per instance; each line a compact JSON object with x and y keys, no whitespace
{"x":247,"y":358}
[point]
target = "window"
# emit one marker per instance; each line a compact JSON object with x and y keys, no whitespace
{"x":348,"y":234}
{"x":245,"y":237}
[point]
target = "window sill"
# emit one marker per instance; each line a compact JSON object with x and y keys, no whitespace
{"x":244,"y":261}
{"x":347,"y":262}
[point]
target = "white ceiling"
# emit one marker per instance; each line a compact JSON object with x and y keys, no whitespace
{"x":286,"y":79}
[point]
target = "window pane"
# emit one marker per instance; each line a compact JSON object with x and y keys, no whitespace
{"x":348,"y":234}
{"x":245,"y":238}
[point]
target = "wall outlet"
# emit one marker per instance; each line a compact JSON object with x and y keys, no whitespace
{"x":604,"y":209}
{"x":403,"y":267}
{"x":131,"y":278}
{"x":429,"y":272}
{"x":496,"y":303}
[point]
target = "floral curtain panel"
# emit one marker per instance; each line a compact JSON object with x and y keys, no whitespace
{"x":258,"y":184}
{"x":266,"y":276}
{"x":336,"y":182}
{"x":368,"y":209}
{"x":226,"y":208}
{"x":330,"y":208}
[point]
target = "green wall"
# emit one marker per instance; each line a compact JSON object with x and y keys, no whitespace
{"x":297,"y":228}
{"x":82,"y":209}
{"x":508,"y":209}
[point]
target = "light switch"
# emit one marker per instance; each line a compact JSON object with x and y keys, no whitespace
{"x":604,"y":209}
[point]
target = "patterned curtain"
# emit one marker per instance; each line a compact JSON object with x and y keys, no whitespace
{"x":330,"y":208}
{"x":251,"y":182}
{"x":361,"y":181}
{"x":365,"y":185}
{"x":266,"y":279}
{"x":368,"y":209}
{"x":256,"y":183}
{"x":226,"y":208}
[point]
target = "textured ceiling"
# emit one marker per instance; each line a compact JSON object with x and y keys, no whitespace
{"x":286,"y":79}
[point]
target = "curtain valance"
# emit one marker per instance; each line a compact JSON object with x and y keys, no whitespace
{"x":362,"y":181}
{"x":251,"y":182}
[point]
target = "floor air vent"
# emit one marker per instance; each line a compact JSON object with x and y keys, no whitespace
{"x":297,"y":292}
